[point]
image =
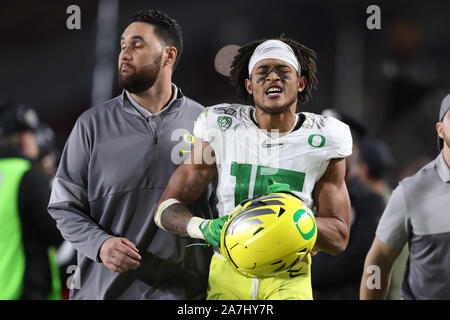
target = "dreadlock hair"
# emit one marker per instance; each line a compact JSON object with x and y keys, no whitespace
{"x":306,"y":57}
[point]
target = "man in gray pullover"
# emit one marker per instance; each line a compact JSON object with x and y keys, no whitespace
{"x":114,"y":168}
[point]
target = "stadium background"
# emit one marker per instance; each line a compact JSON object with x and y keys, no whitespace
{"x":392,"y":80}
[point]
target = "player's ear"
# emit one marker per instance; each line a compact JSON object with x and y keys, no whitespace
{"x":439,"y":129}
{"x":248,"y":86}
{"x":301,"y":84}
{"x":170,"y":55}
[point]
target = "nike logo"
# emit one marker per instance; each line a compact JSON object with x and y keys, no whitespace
{"x":269,"y":145}
{"x":291,"y":275}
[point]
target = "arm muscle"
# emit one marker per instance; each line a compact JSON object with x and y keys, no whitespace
{"x":185,"y":185}
{"x":333,"y":207}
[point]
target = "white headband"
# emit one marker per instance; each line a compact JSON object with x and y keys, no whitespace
{"x":273,"y":49}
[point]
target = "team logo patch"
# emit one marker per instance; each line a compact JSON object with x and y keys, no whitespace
{"x":224,"y":122}
{"x":316,"y":140}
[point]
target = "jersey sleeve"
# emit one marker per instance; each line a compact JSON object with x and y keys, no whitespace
{"x":393,"y":226}
{"x":201,"y":126}
{"x":341,"y":142}
{"x":206,"y":126}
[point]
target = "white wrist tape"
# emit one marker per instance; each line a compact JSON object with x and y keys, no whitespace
{"x":193,"y":228}
{"x":163,"y":206}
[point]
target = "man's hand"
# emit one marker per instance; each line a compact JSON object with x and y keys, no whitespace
{"x":119,"y":255}
{"x":212,"y":229}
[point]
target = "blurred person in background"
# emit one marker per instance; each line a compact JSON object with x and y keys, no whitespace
{"x":114,"y":168}
{"x":418,"y":214}
{"x":28,"y":235}
{"x":376,"y":162}
{"x":338,"y":278}
{"x":47,"y":159}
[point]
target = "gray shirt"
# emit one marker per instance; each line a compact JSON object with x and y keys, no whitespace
{"x":145,"y":112}
{"x":418,"y":213}
{"x":114,"y":168}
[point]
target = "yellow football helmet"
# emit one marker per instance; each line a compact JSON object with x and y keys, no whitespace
{"x":268,"y":235}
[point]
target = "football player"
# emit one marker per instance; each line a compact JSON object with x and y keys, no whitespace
{"x":251,"y":146}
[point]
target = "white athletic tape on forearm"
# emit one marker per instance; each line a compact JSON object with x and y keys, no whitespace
{"x":163,"y":206}
{"x":193,"y":229}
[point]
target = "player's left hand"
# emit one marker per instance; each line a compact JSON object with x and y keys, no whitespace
{"x":212,"y":229}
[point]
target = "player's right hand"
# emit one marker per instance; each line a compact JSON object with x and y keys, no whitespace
{"x":211,"y":230}
{"x":119,"y":254}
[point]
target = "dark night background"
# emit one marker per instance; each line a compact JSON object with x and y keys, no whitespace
{"x":391,"y":79}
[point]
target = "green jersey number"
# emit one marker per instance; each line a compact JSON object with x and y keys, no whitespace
{"x":261,"y":179}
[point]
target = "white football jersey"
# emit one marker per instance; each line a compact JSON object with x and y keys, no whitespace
{"x":249,"y":159}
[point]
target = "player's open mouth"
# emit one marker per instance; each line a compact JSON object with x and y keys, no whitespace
{"x":274,"y":91}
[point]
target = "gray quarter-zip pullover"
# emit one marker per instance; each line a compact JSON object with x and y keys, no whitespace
{"x":114,"y":168}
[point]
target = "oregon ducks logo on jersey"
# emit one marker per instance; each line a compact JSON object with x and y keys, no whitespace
{"x":316,"y":140}
{"x":224,"y":122}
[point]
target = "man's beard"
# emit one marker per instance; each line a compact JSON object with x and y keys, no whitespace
{"x":446,"y":140}
{"x":140,"y":80}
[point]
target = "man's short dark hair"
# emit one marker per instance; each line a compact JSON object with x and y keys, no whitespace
{"x":167,"y":29}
